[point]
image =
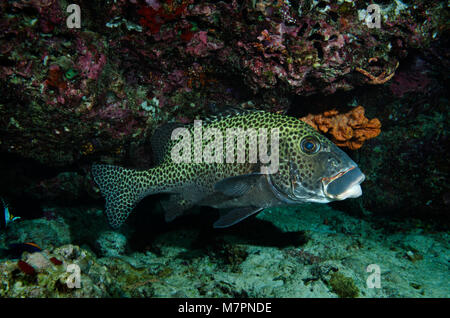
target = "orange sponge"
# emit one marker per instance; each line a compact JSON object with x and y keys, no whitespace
{"x":345,"y":130}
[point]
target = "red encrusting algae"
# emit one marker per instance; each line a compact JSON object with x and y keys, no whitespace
{"x":26,"y":268}
{"x":55,"y":261}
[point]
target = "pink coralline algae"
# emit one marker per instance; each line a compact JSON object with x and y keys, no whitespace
{"x":90,"y":62}
{"x":49,"y":12}
{"x":155,"y":15}
{"x":414,"y":79}
{"x":188,"y":55}
{"x":115,"y":111}
{"x":273,"y":41}
{"x":200,"y":46}
{"x":154,"y":4}
{"x":409,"y":82}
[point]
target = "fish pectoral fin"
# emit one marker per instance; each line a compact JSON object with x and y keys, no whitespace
{"x":238,"y":185}
{"x":174,"y":206}
{"x":235,"y":216}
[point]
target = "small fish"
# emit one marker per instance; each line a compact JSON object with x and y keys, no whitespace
{"x":6,"y":217}
{"x":25,"y":247}
{"x":310,"y":168}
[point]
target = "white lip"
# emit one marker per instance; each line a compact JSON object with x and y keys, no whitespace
{"x":352,"y":192}
{"x":353,"y":176}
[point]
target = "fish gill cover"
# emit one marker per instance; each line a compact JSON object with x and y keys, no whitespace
{"x":89,"y":87}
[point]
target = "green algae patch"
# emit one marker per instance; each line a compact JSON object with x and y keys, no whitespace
{"x":343,"y":286}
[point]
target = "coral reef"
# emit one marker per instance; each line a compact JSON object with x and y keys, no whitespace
{"x":81,"y":90}
{"x":71,"y":97}
{"x":346,"y":130}
{"x":47,"y":279}
{"x":191,"y":261}
{"x":43,"y":232}
{"x":111,"y":243}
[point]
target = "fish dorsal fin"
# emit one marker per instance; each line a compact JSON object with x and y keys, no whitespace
{"x":238,"y":185}
{"x":235,"y":216}
{"x":228,"y":112}
{"x":160,"y":140}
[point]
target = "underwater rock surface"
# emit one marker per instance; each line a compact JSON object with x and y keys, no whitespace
{"x":131,"y":67}
{"x":307,"y":251}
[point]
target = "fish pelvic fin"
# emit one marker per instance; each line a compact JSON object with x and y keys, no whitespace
{"x":235,"y":216}
{"x":175,"y":205}
{"x":122,"y":188}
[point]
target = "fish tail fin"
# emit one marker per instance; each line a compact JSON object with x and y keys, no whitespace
{"x":122,"y":188}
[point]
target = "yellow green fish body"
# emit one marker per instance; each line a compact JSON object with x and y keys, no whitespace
{"x":240,"y":161}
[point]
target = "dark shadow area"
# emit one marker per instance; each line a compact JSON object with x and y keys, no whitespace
{"x":20,"y":177}
{"x":149,"y":226}
{"x":341,"y":101}
{"x":397,"y":220}
{"x":27,"y":208}
{"x":85,"y":225}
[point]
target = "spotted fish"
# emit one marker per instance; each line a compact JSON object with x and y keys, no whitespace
{"x":310,"y":168}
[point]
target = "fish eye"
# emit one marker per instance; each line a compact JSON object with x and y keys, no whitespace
{"x":310,"y":145}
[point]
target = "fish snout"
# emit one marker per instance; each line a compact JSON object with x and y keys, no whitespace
{"x":345,"y":184}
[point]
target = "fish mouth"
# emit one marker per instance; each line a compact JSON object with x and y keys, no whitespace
{"x":345,"y":184}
